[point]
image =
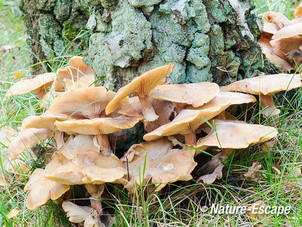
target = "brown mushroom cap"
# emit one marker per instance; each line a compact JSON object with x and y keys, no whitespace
{"x":265,"y":85}
{"x":96,"y":126}
{"x":270,"y":28}
{"x":140,"y":86}
{"x":36,"y":84}
{"x":235,"y":135}
{"x":41,"y":189}
{"x":282,"y":47}
{"x":76,"y":74}
{"x":298,"y":11}
{"x":195,"y":94}
{"x":188,"y":120}
{"x":26,"y":139}
{"x":161,"y":163}
{"x":46,"y":120}
{"x":133,"y":108}
{"x":289,"y":31}
{"x":87,"y":168}
{"x":83,"y":102}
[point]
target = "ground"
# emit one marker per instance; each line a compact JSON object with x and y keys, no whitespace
{"x":180,"y":204}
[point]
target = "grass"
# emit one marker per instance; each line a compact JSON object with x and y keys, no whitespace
{"x":179,"y":204}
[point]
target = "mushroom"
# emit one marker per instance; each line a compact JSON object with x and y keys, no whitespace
{"x":77,"y":144}
{"x":98,"y":126}
{"x":231,"y":134}
{"x":188,"y":120}
{"x":298,"y":11}
{"x":158,"y":163}
{"x":37,"y":84}
{"x":83,"y":103}
{"x":265,"y":87}
{"x":75,"y":75}
{"x":46,"y":120}
{"x":41,"y":189}
{"x":181,"y":95}
{"x":142,"y":86}
{"x":86,"y":168}
{"x":276,"y":18}
{"x":79,"y":214}
{"x":26,"y":139}
{"x":163,"y":109}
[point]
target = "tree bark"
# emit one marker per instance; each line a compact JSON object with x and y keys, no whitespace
{"x":207,"y":40}
{"x":50,"y":26}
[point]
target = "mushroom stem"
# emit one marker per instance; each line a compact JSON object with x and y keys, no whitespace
{"x":190,"y":138}
{"x":228,"y":151}
{"x":147,"y":108}
{"x":267,"y":103}
{"x":97,"y":205}
{"x":179,"y":107}
{"x":41,"y":94}
{"x":104,"y":144}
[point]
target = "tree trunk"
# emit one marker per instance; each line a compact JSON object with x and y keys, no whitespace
{"x":207,"y":40}
{"x":50,"y":26}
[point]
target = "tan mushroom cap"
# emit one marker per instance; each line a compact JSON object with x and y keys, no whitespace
{"x":282,"y":47}
{"x":83,"y":102}
{"x":36,"y":84}
{"x":276,"y":18}
{"x":195,"y":94}
{"x":26,"y":139}
{"x":46,"y":120}
{"x":41,"y":189}
{"x":140,"y":86}
{"x":298,"y":11}
{"x":75,"y":145}
{"x":133,"y":108}
{"x":162,"y":164}
{"x":270,"y":28}
{"x":289,"y":31}
{"x":76,"y":74}
{"x":188,"y":120}
{"x":79,"y":214}
{"x":97,"y":126}
{"x":235,"y":135}
{"x":88,"y":168}
{"x":273,"y":57}
{"x":265,"y":85}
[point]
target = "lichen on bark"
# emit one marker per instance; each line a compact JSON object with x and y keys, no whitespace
{"x":50,"y":25}
{"x":206,"y":40}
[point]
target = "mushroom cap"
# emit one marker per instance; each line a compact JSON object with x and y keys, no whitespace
{"x":46,"y":120}
{"x":26,"y":139}
{"x":270,"y":28}
{"x":188,"y":120}
{"x":276,"y":18}
{"x":133,"y":108}
{"x":76,"y":74}
{"x":35,"y":84}
{"x":161,"y":164}
{"x":283,"y":46}
{"x":75,"y":145}
{"x":140,"y":86}
{"x":273,"y":57}
{"x":235,"y":135}
{"x":79,"y":214}
{"x":195,"y":94}
{"x":97,"y":126}
{"x":265,"y":85}
{"x":298,"y":11}
{"x":87,"y":168}
{"x":289,"y":31}
{"x":41,"y":189}
{"x":83,"y":102}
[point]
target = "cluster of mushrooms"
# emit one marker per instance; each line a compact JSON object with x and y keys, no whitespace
{"x":281,"y":40}
{"x":80,"y":120}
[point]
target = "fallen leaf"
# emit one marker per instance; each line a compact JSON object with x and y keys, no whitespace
{"x":210,"y":178}
{"x":253,"y":173}
{"x":254,"y":210}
